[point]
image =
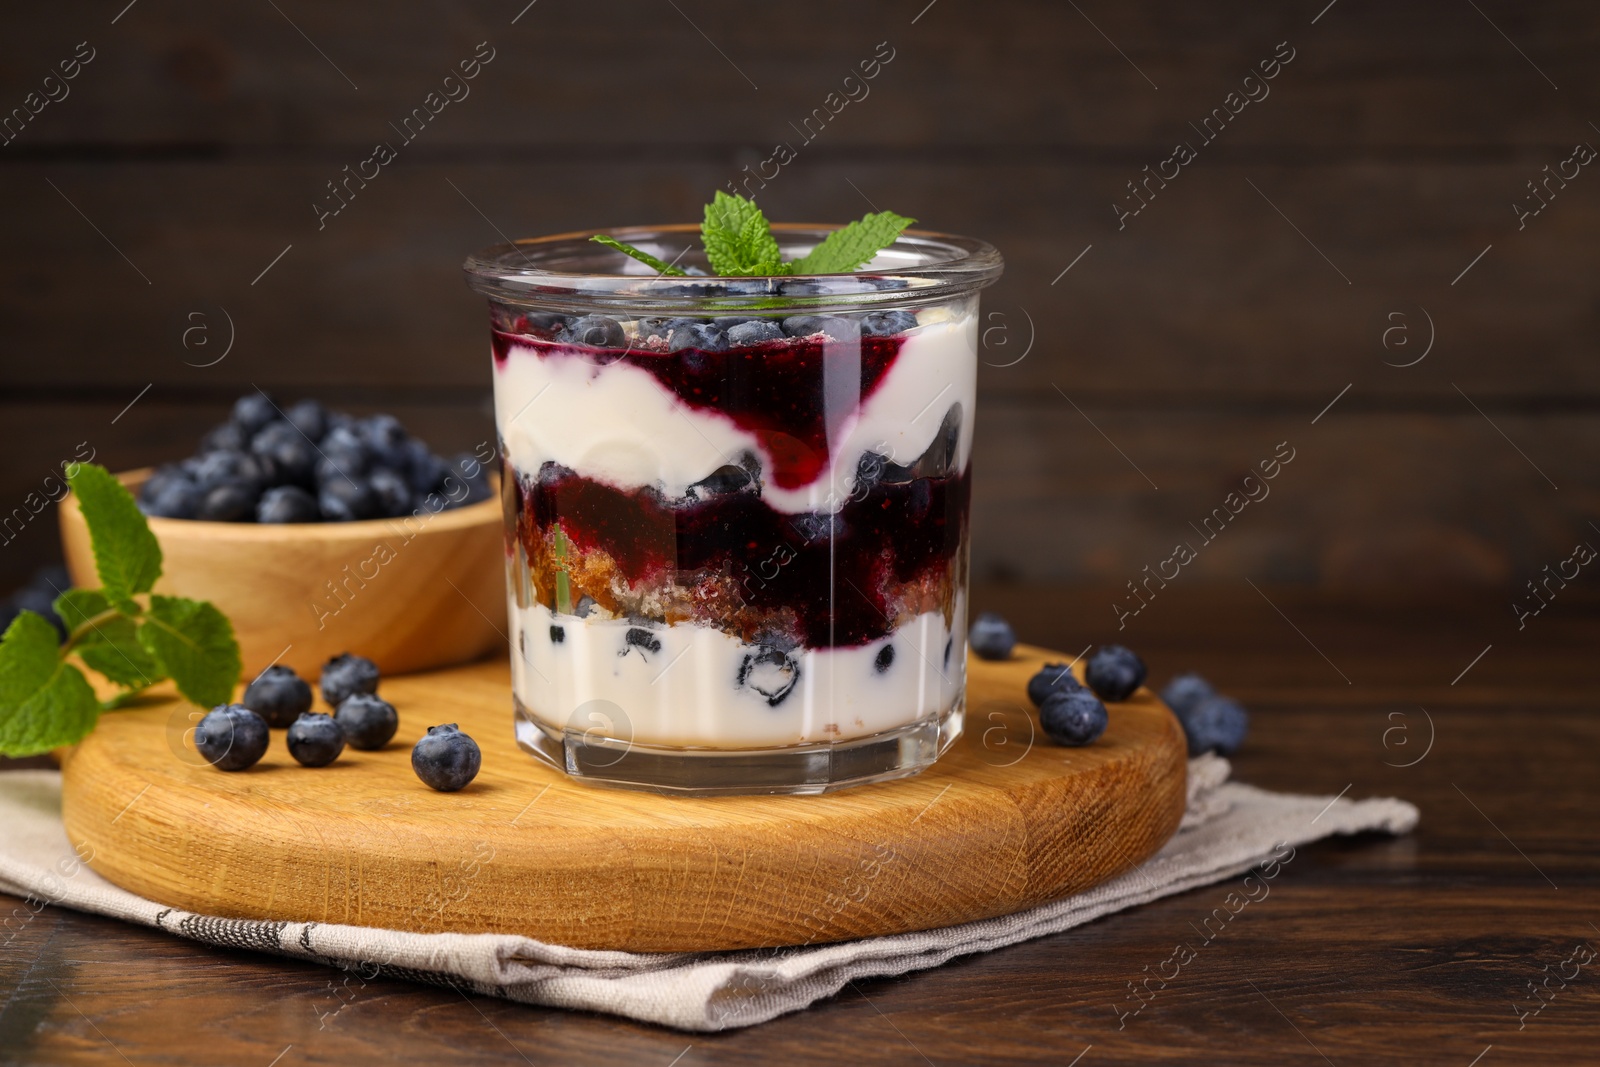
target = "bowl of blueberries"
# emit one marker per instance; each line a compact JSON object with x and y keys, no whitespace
{"x":317,"y":531}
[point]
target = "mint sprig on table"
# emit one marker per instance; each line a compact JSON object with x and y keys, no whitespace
{"x":45,"y":700}
{"x":739,"y":243}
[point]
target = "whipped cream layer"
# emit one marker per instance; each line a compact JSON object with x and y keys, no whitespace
{"x":694,"y":686}
{"x":614,"y":422}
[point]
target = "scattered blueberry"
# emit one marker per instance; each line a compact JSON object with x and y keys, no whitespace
{"x":754,"y":332}
{"x":887,"y":323}
{"x":1073,"y":717}
{"x":315,"y":740}
{"x":278,"y":695}
{"x":231,"y":737}
{"x":1052,"y":678}
{"x":347,"y":500}
{"x":1215,"y":723}
{"x":1114,"y":673}
{"x":884,"y":659}
{"x":696,"y":336}
{"x":287,"y":504}
{"x":445,"y":758}
{"x":368,"y":721}
{"x":597,"y":331}
{"x":345,"y":675}
{"x":253,"y":411}
{"x":991,"y":636}
{"x":1185,"y":691}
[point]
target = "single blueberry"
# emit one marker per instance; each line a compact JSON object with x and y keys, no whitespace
{"x":232,"y":737}
{"x":445,"y":758}
{"x":284,"y":455}
{"x":228,"y":468}
{"x":596,"y":331}
{"x":472,"y":472}
{"x":315,"y":740}
{"x":278,"y":695}
{"x":424,"y":470}
{"x":884,"y":660}
{"x":345,"y":675}
{"x":770,"y":672}
{"x":546,"y":324}
{"x":234,"y":502}
{"x":754,"y":332}
{"x":386,"y":440}
{"x":392,"y":493}
{"x":1185,"y":691}
{"x":347,"y":500}
{"x":694,"y":336}
{"x":284,"y":504}
{"x":309,"y":417}
{"x":225,"y":437}
{"x":802,"y":325}
{"x":1114,"y":672}
{"x":887,"y":323}
{"x":1053,"y":677}
{"x":343,"y":453}
{"x":991,"y":636}
{"x":640,"y":638}
{"x":816,"y":527}
{"x":368,"y":721}
{"x":172,"y":498}
{"x":253,"y":411}
{"x":585,"y":605}
{"x":1073,"y":717}
{"x":1215,"y":723}
{"x":725,"y":479}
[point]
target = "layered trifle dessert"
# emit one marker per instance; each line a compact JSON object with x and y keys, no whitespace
{"x":736,"y":514}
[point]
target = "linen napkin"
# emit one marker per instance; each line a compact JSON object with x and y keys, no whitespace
{"x":1228,"y":830}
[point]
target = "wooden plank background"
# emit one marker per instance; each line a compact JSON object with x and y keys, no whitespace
{"x":1177,"y":352}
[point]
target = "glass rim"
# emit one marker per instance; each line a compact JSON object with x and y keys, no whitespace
{"x":920,"y":267}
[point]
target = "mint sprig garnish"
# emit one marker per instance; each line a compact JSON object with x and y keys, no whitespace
{"x":45,"y":700}
{"x":739,"y":243}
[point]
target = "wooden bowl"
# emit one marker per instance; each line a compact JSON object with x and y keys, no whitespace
{"x":409,"y":594}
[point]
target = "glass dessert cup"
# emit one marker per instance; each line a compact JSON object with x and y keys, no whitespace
{"x":735,"y":508}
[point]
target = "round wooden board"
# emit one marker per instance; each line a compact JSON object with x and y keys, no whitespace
{"x":1004,"y":821}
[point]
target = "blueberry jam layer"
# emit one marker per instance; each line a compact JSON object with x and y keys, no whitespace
{"x":722,"y":557}
{"x":791,"y":393}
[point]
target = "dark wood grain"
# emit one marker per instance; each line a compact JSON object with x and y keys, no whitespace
{"x":1368,"y":950}
{"x":1386,"y":157}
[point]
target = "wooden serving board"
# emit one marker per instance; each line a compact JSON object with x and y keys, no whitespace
{"x":1003,"y":821}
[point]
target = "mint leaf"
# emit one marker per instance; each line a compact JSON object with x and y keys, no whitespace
{"x":739,"y":239}
{"x":44,"y":703}
{"x":661,"y":266}
{"x":193,"y":642}
{"x":106,"y":642}
{"x":126,"y":554}
{"x":850,"y":246}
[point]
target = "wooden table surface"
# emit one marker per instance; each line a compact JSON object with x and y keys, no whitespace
{"x":1418,"y":950}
